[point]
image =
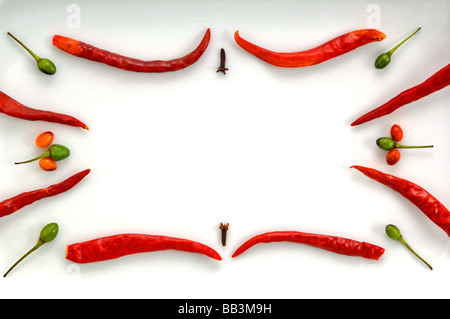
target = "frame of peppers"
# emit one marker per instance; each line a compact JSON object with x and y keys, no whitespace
{"x":165,"y":146}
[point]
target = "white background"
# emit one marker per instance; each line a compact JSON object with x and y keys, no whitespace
{"x":262,"y":148}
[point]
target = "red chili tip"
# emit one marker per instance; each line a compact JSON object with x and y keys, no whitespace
{"x":356,"y":123}
{"x":67,"y":44}
{"x":382,"y":36}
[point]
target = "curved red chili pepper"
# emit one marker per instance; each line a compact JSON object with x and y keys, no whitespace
{"x":11,"y":107}
{"x":434,"y":83}
{"x":87,"y":51}
{"x":116,"y":246}
{"x":426,"y":202}
{"x":15,"y":203}
{"x":324,"y":52}
{"x":334,"y":244}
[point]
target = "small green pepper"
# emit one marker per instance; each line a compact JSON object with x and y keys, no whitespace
{"x":48,"y":233}
{"x":385,"y":58}
{"x":387,"y":144}
{"x":56,"y":152}
{"x":45,"y":65}
{"x":394,"y":233}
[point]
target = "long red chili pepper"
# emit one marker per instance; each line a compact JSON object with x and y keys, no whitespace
{"x":87,"y":51}
{"x":426,"y":202}
{"x":334,"y":244}
{"x":333,"y":48}
{"x":436,"y":82}
{"x":116,"y":246}
{"x":15,"y":203}
{"x":11,"y":107}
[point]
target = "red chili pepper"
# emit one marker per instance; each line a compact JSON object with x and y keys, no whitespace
{"x":116,"y":246}
{"x":87,"y":51}
{"x":324,"y":52}
{"x":334,"y":244}
{"x":15,"y":203}
{"x":436,"y":82}
{"x":13,"y":108}
{"x":428,"y":204}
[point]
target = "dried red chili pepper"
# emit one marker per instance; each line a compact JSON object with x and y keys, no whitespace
{"x":334,"y":244}
{"x":120,"y":245}
{"x":426,"y":202}
{"x":17,"y":202}
{"x":87,"y":51}
{"x":13,"y":108}
{"x":331,"y":49}
{"x":436,"y":82}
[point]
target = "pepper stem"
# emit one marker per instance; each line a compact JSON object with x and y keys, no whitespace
{"x":46,"y":154}
{"x":39,"y":244}
{"x":25,"y":47}
{"x":411,"y":250}
{"x":398,"y":45}
{"x":408,"y":146}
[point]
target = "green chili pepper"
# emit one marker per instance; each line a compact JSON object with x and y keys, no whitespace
{"x":45,"y":65}
{"x":48,"y":233}
{"x":56,"y":152}
{"x":394,"y":233}
{"x":385,"y":58}
{"x":387,"y":144}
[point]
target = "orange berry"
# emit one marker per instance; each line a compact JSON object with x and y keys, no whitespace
{"x":393,"y":156}
{"x":47,"y":164}
{"x":396,"y":133}
{"x":44,"y":139}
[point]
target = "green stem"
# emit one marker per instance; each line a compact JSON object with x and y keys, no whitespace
{"x":25,"y":47}
{"x":39,"y":244}
{"x":411,"y":250}
{"x":407,"y":146}
{"x":46,"y":154}
{"x":398,"y":45}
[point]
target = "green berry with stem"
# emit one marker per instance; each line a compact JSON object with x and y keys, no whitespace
{"x":56,"y":152}
{"x":48,"y":233}
{"x":387,"y":144}
{"x":45,"y":65}
{"x":385,"y":58}
{"x":394,"y":233}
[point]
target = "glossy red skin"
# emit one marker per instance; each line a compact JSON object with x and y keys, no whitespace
{"x":331,"y":49}
{"x":426,"y":202}
{"x":393,"y":156}
{"x":17,"y":202}
{"x":396,"y":133}
{"x":11,"y":107}
{"x":334,"y":244}
{"x":87,"y":51}
{"x":436,"y":82}
{"x":116,"y":246}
